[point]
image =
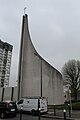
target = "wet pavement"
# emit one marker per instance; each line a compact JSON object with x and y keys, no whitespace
{"x":59,"y":114}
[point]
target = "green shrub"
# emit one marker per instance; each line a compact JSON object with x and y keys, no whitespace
{"x":61,"y":107}
{"x":75,"y":106}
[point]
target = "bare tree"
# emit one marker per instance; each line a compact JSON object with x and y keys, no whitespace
{"x":71,"y":75}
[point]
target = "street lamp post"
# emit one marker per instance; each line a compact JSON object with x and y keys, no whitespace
{"x":70,"y":99}
{"x":41,"y":70}
{"x":41,"y":77}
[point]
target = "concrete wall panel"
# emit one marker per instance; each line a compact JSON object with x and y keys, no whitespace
{"x":0,"y":94}
{"x":15,"y":94}
{"x":7,"y":93}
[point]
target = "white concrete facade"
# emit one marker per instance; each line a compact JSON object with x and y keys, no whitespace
{"x":32,"y":67}
{"x":5,"y":63}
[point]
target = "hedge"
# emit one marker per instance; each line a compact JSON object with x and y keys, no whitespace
{"x":75,"y":106}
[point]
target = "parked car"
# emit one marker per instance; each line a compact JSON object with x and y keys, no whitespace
{"x":33,"y":104}
{"x":7,"y":107}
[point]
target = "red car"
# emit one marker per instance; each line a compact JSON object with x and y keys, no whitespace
{"x":7,"y":108}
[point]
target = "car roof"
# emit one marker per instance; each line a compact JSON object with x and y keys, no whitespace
{"x":7,"y":101}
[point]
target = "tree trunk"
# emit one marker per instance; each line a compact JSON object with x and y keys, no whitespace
{"x":75,"y":95}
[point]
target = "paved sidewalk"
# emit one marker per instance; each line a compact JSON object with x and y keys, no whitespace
{"x":75,"y":115}
{"x":56,"y":117}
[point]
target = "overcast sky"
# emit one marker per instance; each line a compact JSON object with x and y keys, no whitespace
{"x":54,"y":28}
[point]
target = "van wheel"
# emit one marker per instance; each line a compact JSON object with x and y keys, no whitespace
{"x":2,"y":115}
{"x":33,"y":112}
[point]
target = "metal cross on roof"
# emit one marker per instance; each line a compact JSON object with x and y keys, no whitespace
{"x":25,"y":10}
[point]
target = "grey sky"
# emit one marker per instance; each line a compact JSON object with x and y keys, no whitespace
{"x":54,"y":28}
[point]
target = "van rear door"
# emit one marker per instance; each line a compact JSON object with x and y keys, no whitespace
{"x":43,"y":105}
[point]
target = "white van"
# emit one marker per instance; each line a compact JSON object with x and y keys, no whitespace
{"x":33,"y":104}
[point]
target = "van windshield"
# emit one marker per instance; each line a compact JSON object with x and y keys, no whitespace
{"x":20,"y":102}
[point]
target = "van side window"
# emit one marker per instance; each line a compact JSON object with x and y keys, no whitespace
{"x":20,"y":102}
{"x":27,"y":101}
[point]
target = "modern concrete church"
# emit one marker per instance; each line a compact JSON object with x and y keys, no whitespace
{"x":36,"y":76}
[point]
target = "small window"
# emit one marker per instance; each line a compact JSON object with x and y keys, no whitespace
{"x":27,"y":101}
